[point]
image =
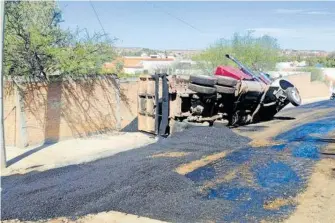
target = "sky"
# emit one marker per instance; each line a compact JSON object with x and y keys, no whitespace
{"x":196,"y":25}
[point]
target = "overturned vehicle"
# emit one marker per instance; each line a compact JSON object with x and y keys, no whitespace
{"x":240,"y":96}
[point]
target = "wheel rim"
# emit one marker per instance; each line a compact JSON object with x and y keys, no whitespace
{"x":295,"y":95}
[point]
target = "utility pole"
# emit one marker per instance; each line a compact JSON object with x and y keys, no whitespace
{"x":2,"y":129}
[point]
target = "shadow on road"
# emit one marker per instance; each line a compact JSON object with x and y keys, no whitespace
{"x":28,"y":153}
{"x":283,"y":118}
{"x":131,"y":127}
{"x":315,"y":139}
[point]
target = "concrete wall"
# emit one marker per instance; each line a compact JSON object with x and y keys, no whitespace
{"x":131,"y":70}
{"x":66,"y":109}
{"x":329,"y":72}
{"x":128,"y":106}
{"x":307,"y":88}
{"x":153,"y":65}
{"x":79,"y":108}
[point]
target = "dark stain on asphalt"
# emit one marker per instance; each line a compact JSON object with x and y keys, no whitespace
{"x":135,"y":183}
{"x":202,"y":174}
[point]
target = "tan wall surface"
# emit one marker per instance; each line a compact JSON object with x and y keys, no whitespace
{"x":9,"y":115}
{"x":128,"y":102}
{"x":307,"y":88}
{"x":65,"y":109}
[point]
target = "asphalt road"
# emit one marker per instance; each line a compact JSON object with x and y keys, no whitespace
{"x":137,"y":183}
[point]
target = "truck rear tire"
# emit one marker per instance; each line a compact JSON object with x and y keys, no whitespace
{"x":226,"y":81}
{"x":225,"y":90}
{"x":203,"y":80}
{"x":202,"y":89}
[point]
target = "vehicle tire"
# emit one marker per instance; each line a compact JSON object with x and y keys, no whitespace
{"x":202,"y":89}
{"x":293,"y":96}
{"x":225,"y":90}
{"x":203,"y":80}
{"x":226,"y":81}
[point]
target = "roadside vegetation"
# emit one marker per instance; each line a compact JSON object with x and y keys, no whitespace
{"x":261,"y":52}
{"x":36,"y":46}
{"x":316,"y":74}
{"x":315,"y":61}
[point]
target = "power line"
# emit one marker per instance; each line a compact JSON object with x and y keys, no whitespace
{"x":96,"y":14}
{"x":175,"y":17}
{"x":98,"y":18}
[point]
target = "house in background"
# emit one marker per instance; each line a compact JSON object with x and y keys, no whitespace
{"x":290,"y":66}
{"x":137,"y":65}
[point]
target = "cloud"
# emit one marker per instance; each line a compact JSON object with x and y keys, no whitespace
{"x":304,"y":38}
{"x":289,"y":11}
{"x":318,"y":13}
{"x":301,"y":12}
{"x":313,"y":33}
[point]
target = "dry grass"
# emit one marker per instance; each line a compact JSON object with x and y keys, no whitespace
{"x":189,"y":167}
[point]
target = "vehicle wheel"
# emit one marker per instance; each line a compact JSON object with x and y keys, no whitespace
{"x":201,"y":89}
{"x":203,"y":80}
{"x":226,"y":81}
{"x":293,"y":96}
{"x":225,"y":90}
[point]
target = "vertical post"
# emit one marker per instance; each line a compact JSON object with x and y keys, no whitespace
{"x":2,"y":129}
{"x":165,"y":106}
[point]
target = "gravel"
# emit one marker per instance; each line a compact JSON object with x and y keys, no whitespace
{"x":131,"y":182}
{"x":135,"y":183}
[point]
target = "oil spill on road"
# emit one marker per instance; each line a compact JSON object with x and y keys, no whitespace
{"x":202,"y":174}
{"x":276,"y":174}
{"x":222,"y":179}
{"x":279,"y":172}
{"x":279,"y":147}
{"x":302,"y":143}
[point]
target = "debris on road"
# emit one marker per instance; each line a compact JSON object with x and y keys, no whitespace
{"x":241,"y":184}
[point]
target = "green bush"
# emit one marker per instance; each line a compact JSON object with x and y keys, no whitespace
{"x":35,"y":45}
{"x":316,"y":74}
{"x":262,"y":52}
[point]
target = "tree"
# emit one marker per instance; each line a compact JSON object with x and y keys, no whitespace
{"x":36,"y":46}
{"x":330,"y":60}
{"x":260,"y":51}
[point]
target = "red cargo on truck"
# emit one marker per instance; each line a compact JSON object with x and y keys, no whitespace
{"x":232,"y":72}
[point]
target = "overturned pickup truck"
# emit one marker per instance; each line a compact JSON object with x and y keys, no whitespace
{"x":241,"y":96}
